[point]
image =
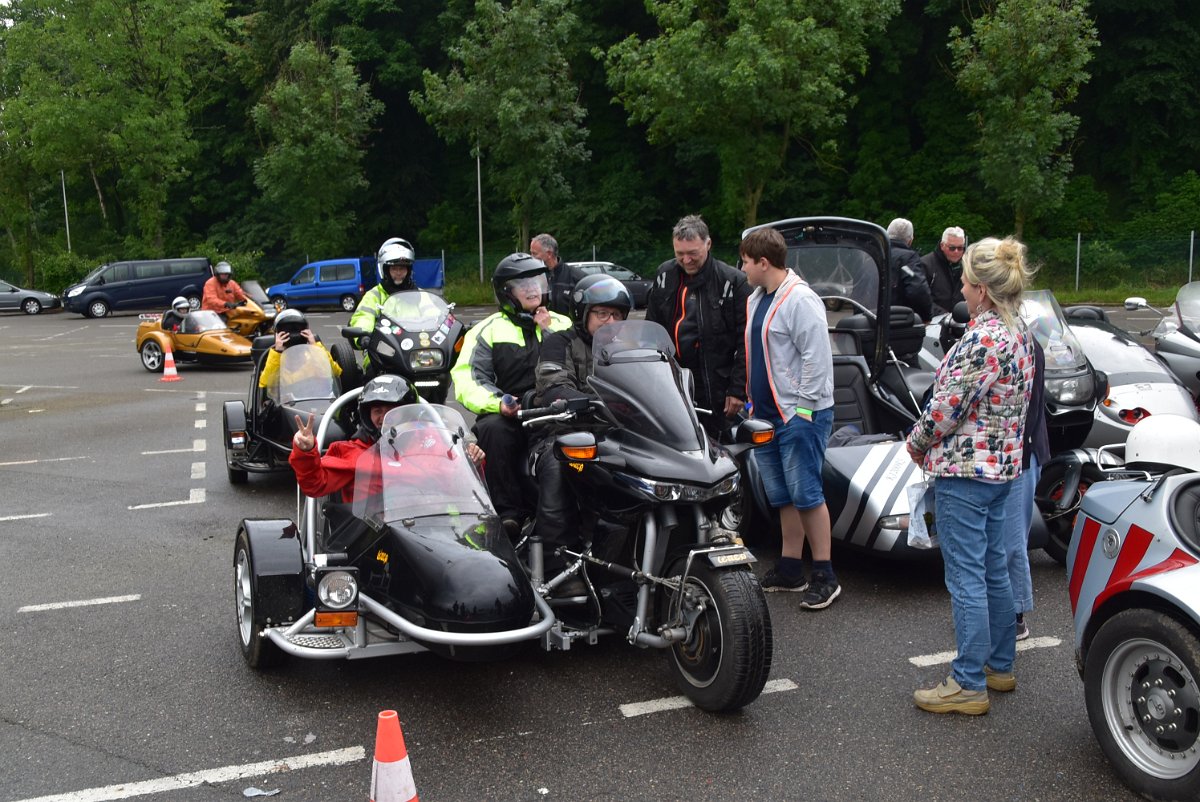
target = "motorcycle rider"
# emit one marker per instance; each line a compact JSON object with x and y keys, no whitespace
{"x":496,"y":366}
{"x":221,"y":292}
{"x":562,"y":374}
{"x":291,"y":328}
{"x":319,"y":475}
{"x":172,"y":319}
{"x":393,"y":264}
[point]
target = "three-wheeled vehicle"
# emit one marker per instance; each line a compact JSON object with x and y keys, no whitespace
{"x":203,"y":337}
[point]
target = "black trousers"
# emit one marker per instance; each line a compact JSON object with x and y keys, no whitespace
{"x":557,"y":522}
{"x":504,"y":444}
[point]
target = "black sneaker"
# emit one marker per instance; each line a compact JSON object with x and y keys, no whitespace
{"x":821,"y":593}
{"x":773,"y":581}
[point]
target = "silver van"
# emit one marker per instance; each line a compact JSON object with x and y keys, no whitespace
{"x":138,"y":284}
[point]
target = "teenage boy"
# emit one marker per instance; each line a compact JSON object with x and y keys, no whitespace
{"x":789,"y":370}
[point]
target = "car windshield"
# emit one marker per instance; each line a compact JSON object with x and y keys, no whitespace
{"x":641,"y":385}
{"x":201,"y":321}
{"x":418,"y":468}
{"x":1044,"y":317}
{"x":92,"y":275}
{"x":414,"y":310}
{"x":1187,"y":306}
{"x":305,"y":374}
{"x":837,"y":272}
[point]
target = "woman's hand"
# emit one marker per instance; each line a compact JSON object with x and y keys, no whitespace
{"x":542,"y":318}
{"x":916,"y":456}
{"x":304,"y":439}
{"x":281,"y":338}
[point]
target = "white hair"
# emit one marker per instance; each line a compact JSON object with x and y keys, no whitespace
{"x":900,"y":229}
{"x":954,"y":231}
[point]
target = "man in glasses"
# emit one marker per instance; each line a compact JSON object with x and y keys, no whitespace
{"x":909,"y":286}
{"x":943,"y":270}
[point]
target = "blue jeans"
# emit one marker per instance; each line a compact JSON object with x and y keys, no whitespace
{"x":1016,"y":535}
{"x":970,"y":524}
{"x":790,"y":465}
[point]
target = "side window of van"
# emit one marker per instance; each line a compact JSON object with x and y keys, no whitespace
{"x":337,"y":273}
{"x":305,"y":276}
{"x":185,"y":267}
{"x":150,"y":269}
{"x":119,"y":272}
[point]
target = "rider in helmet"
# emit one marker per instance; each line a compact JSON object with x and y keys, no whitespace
{"x":172,"y":319}
{"x":291,"y":328}
{"x":221,"y":292}
{"x":562,"y":374}
{"x":320,"y":475}
{"x":394,"y":264}
{"x":496,"y":367}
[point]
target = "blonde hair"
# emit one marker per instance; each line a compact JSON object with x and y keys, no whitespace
{"x":999,"y":265}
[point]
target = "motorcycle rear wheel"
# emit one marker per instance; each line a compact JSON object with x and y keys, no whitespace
{"x":724,"y":664}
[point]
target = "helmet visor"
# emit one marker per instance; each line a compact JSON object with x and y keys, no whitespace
{"x":527,"y":287}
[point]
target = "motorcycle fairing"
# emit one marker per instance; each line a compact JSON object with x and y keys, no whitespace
{"x":862,"y":485}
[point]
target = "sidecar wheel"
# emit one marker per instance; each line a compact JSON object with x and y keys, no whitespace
{"x":344,"y":356}
{"x":259,"y":652}
{"x":1061,"y":523}
{"x":152,"y":356}
{"x":724,"y":665}
{"x":1144,"y":704}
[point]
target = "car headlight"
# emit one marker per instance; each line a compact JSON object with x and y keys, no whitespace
{"x":1071,"y":390}
{"x":337,"y":590}
{"x":671,"y":491}
{"x":424,"y":358}
{"x":71,"y":293}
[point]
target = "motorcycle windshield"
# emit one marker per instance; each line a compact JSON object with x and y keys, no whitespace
{"x":415,"y":310}
{"x":641,"y":385}
{"x":1187,"y":306}
{"x":418,"y":468}
{"x":1044,"y":317}
{"x":835,"y":271}
{"x":201,"y":321}
{"x":305,"y":374}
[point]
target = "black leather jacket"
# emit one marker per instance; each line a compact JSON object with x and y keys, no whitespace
{"x":909,"y":287}
{"x":945,"y":280}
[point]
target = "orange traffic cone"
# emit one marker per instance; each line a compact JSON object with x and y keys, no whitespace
{"x":391,"y":776}
{"x":169,"y":372}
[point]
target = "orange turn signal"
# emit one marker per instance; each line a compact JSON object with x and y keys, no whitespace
{"x":758,"y":438}
{"x":579,"y":453}
{"x":336,"y":619}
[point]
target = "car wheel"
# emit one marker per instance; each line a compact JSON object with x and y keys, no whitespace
{"x":152,"y":356}
{"x":193,"y":301}
{"x":97,"y":309}
{"x":1143,"y":702}
{"x":1060,"y":523}
{"x":258,"y":652}
{"x":349,"y":303}
{"x":31,"y":306}
{"x":280,"y":303}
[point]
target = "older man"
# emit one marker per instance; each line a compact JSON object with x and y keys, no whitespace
{"x":701,"y":302}
{"x":562,"y":275}
{"x":909,"y":287}
{"x":943,"y":270}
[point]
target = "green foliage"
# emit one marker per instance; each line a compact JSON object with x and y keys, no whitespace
{"x":58,"y":269}
{"x":1176,"y":209}
{"x":1023,"y":63}
{"x":743,"y":81}
{"x":315,"y":119}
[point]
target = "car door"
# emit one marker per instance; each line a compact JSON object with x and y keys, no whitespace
{"x":302,"y":288}
{"x":9,"y":297}
{"x":336,"y":280}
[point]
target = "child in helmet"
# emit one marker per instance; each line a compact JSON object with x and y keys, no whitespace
{"x":172,"y":319}
{"x":291,"y":328}
{"x":221,"y":292}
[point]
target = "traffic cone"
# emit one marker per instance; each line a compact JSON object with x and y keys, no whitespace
{"x":391,"y":775}
{"x":169,"y":372}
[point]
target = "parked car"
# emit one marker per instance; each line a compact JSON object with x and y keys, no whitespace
{"x":31,"y":302}
{"x":638,"y":287}
{"x":342,"y":282}
{"x":139,"y":284}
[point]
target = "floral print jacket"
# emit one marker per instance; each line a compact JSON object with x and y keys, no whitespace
{"x":973,"y":425}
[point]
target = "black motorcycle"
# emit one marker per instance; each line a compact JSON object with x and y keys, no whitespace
{"x":416,"y":336}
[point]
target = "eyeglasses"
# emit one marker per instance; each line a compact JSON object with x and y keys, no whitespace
{"x":956,"y":247}
{"x":607,"y":314}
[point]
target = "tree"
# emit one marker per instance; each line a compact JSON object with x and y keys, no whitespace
{"x":1023,"y":63}
{"x":509,"y":96}
{"x":743,"y":80}
{"x":314,"y":119}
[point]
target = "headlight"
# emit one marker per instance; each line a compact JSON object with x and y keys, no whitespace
{"x":337,"y":590}
{"x":1072,"y":390}
{"x":71,"y":293}
{"x":425,"y":358}
{"x":669,"y":491}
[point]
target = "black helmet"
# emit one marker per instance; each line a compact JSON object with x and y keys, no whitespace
{"x":512,"y":270}
{"x":292,"y":322}
{"x":395,"y":250}
{"x":597,"y":289}
{"x":385,"y":389}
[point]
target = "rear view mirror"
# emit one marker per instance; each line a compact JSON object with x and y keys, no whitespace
{"x":1134,"y":303}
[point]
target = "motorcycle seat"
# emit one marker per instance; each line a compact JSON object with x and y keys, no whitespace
{"x":1086,"y":313}
{"x":851,"y":396}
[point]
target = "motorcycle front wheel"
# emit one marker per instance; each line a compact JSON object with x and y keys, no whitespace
{"x":723,"y":665}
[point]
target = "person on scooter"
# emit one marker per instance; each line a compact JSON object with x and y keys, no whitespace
{"x":221,"y":292}
{"x":172,"y":319}
{"x":394,"y":264}
{"x":562,"y":373}
{"x":496,"y":367}
{"x":319,"y":475}
{"x":291,"y":328}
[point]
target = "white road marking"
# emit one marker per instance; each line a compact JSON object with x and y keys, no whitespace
{"x":197,"y":446}
{"x":5,"y":402}
{"x":947,"y":657}
{"x":33,"y":461}
{"x":32,"y":411}
{"x":61,"y":334}
{"x":198,"y":394}
{"x":197,"y":470}
{"x":677,"y":702}
{"x":195,"y":496}
{"x":201,"y":406}
{"x":35,"y":608}
{"x":24,"y":387}
{"x":191,"y":779}
{"x":201,"y":423}
{"x":25,"y":517}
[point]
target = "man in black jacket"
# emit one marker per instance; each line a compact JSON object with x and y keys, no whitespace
{"x":562,"y":275}
{"x":909,"y":287}
{"x":701,"y":302}
{"x":943,"y":270}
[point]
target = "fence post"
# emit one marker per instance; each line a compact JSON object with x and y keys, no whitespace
{"x":1191,"y":254}
{"x":1079,"y":241}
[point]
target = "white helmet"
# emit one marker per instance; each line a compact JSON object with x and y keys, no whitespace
{"x":1170,"y":440}
{"x":180,"y":301}
{"x":392,"y":251}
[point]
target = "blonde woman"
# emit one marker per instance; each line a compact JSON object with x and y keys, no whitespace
{"x":970,"y":438}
